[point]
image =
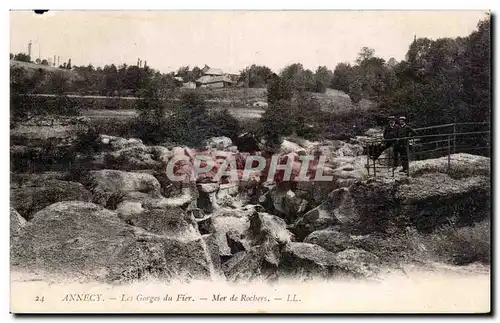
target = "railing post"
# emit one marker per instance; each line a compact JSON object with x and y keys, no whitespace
{"x":368,"y":160}
{"x":408,"y":156}
{"x":454,"y":137}
{"x":374,"y":168}
{"x":449,"y":153}
{"x":391,"y":158}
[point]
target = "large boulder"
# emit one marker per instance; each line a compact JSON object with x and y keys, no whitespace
{"x":235,"y":221}
{"x":219,"y":142}
{"x":335,"y":210}
{"x":131,"y":158}
{"x":172,"y":222}
{"x":85,"y":240}
{"x":388,"y":205}
{"x":19,"y":180}
{"x":118,"y":143}
{"x":461,"y":165}
{"x":288,"y":204}
{"x":41,"y":193}
{"x":257,"y":263}
{"x":107,"y":183}
{"x":307,"y":261}
{"x":330,"y":239}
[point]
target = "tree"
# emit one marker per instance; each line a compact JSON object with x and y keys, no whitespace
{"x":22,"y":57}
{"x":255,"y":76}
{"x":11,"y":56}
{"x":355,"y":91}
{"x":278,"y":89}
{"x":152,"y":124}
{"x":342,"y":77}
{"x":365,"y":54}
{"x":323,"y":78}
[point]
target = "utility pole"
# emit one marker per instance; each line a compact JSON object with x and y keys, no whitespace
{"x":29,"y":49}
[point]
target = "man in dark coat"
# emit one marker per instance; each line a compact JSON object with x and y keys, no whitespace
{"x":390,"y":137}
{"x":401,"y":147}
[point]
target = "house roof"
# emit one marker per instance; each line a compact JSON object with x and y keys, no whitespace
{"x":178,"y":78}
{"x":214,"y":71}
{"x":207,"y":79}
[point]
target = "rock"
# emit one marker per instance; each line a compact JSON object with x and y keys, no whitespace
{"x":17,"y":222}
{"x":360,"y":263}
{"x":236,"y":242}
{"x":161,"y":154}
{"x":331,"y":212}
{"x":86,"y":241}
{"x":374,"y":132}
{"x":387,"y":205}
{"x":266,"y":227}
{"x":260,"y":104}
{"x":330,"y":239}
{"x":29,"y":199}
{"x":434,"y":199}
{"x":171,"y":222}
{"x":288,"y":147}
{"x":208,"y":187}
{"x":105,"y":183}
{"x":19,"y":180}
{"x":127,"y":209}
{"x":307,"y":261}
{"x":225,"y":221}
{"x":461,"y":166}
{"x":219,"y":142}
{"x":258,"y":263}
{"x":315,"y":192}
{"x":133,"y":157}
{"x":288,"y":203}
{"x":213,"y":250}
{"x":117,"y":143}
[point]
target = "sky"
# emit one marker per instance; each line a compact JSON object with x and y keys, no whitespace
{"x":230,"y":40}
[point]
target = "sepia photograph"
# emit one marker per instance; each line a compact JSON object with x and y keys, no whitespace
{"x":250,"y":161}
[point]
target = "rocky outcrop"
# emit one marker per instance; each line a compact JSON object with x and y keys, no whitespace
{"x":172,"y":222}
{"x":258,"y":263}
{"x":461,"y":166}
{"x":330,"y":239}
{"x":386,"y":204}
{"x":84,"y":239}
{"x":107,"y":183}
{"x":306,"y":261}
{"x":33,"y":196}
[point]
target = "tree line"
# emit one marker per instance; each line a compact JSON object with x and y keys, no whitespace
{"x":440,"y":81}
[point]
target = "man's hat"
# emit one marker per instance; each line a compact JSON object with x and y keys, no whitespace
{"x":402,"y":118}
{"x":392,"y":118}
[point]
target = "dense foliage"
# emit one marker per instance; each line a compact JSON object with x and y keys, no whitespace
{"x":441,"y":81}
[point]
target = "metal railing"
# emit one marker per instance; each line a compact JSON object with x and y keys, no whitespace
{"x":444,"y":140}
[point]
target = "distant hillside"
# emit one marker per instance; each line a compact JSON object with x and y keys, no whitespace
{"x":31,"y":68}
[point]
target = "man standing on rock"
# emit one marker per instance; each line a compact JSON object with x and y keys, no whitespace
{"x":401,"y":147}
{"x":390,"y":136}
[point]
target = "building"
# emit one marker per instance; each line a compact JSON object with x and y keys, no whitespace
{"x":218,"y":81}
{"x":214,"y":78}
{"x":189,"y":85}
